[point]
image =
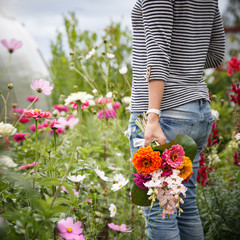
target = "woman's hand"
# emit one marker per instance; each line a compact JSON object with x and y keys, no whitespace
{"x":153,"y":131}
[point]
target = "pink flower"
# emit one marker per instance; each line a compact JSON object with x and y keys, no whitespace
{"x":17,"y":112}
{"x":42,"y":86}
{"x":12,"y":46}
{"x":50,"y":123}
{"x":233,"y":66}
{"x":103,"y":100}
{"x":121,"y":228}
{"x":32,"y":127}
{"x":36,"y":114}
{"x":67,"y":124}
{"x":27,"y":166}
{"x":58,"y":131}
{"x":140,"y":179}
{"x":167,"y":169}
{"x":116,"y":105}
{"x":32,"y":98}
{"x":20,"y":137}
{"x":69,"y":230}
{"x":66,"y":191}
{"x":174,"y":156}
{"x":61,"y":108}
{"x":89,"y":201}
{"x":107,"y":113}
{"x":85,"y":105}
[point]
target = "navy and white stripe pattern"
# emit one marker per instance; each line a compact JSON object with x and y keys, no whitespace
{"x":173,"y":41}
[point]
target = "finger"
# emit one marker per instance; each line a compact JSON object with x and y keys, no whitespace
{"x":147,"y":141}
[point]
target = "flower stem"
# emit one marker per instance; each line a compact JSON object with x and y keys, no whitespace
{"x":6,"y":67}
{"x":55,"y":139}
{"x":155,"y":222}
{"x":36,"y":149}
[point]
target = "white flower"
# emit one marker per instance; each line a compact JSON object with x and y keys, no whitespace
{"x":112,"y":210}
{"x":110,"y":55}
{"x":94,"y":91}
{"x":91,"y":102}
{"x":119,"y":177}
{"x":78,"y":96}
{"x":119,"y":185}
{"x":90,"y":53}
{"x":101,"y":174}
{"x":123,"y":70}
{"x":7,"y":129}
{"x":78,"y":178}
{"x":126,"y":100}
{"x":215,"y":114}
{"x":109,"y":95}
{"x":237,"y":137}
{"x":6,"y":161}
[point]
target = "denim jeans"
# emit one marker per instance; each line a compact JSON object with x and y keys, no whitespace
{"x":195,"y":120}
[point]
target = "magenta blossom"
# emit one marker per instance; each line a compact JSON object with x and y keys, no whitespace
{"x":103,"y":100}
{"x":116,"y":105}
{"x":61,"y":107}
{"x":69,"y":230}
{"x":66,"y":191}
{"x":140,"y":179}
{"x":167,"y":169}
{"x":50,"y":123}
{"x":67,"y":124}
{"x":17,"y":112}
{"x":173,"y":156}
{"x":20,"y":137}
{"x":42,"y":86}
{"x":119,"y":228}
{"x":27,"y":166}
{"x":33,"y":127}
{"x":107,"y":113}
{"x":58,"y":131}
{"x":32,"y":98}
{"x":12,"y":46}
{"x":37,"y":114}
{"x":85,"y":105}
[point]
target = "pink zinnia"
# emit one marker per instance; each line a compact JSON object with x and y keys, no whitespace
{"x":61,"y":107}
{"x":32,"y":98}
{"x":58,"y":131}
{"x":20,"y":137}
{"x":27,"y":166}
{"x":121,"y":228}
{"x":50,"y":123}
{"x":33,"y":127}
{"x":85,"y":105}
{"x":69,"y":230}
{"x":36,"y":114}
{"x":42,"y":86}
{"x":167,"y":169}
{"x":67,"y":124}
{"x":17,"y":112}
{"x":174,"y":156}
{"x":12,"y":46}
{"x":103,"y":100}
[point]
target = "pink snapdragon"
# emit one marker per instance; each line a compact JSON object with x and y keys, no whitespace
{"x":27,"y":166}
{"x":37,"y":114}
{"x":107,"y":113}
{"x":12,"y":45}
{"x":174,"y":156}
{"x":116,"y":105}
{"x":20,"y":137}
{"x":119,"y":228}
{"x":32,"y":98}
{"x":42,"y":86}
{"x":69,"y":230}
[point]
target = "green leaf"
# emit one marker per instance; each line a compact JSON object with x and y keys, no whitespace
{"x":49,"y":182}
{"x":238,"y":178}
{"x":139,"y":196}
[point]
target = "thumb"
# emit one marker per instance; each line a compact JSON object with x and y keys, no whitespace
{"x":147,"y":141}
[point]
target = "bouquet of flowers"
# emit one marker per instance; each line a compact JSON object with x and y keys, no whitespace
{"x":159,"y":172}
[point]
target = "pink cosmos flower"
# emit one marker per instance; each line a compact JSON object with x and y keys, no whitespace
{"x":27,"y":166}
{"x":32,"y":127}
{"x":66,"y":191}
{"x":20,"y":137}
{"x":69,"y":230}
{"x":42,"y":86}
{"x":67,"y":124}
{"x":174,"y":156}
{"x":32,"y":98}
{"x":36,"y":114}
{"x":121,"y":228}
{"x":58,"y":131}
{"x":61,"y":107}
{"x":12,"y":46}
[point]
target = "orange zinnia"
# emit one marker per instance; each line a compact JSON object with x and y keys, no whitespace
{"x":186,"y":168}
{"x":146,"y":161}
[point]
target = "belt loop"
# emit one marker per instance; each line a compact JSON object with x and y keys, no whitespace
{"x":201,"y":103}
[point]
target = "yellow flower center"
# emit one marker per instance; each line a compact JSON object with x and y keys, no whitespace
{"x":114,"y":209}
{"x":120,"y":185}
{"x":69,"y":230}
{"x":166,"y":168}
{"x":174,"y":157}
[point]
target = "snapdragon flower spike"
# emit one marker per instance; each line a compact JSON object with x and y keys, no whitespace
{"x":12,"y":45}
{"x":42,"y":86}
{"x":233,"y":66}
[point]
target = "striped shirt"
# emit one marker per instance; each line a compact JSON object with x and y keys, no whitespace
{"x":174,"y":41}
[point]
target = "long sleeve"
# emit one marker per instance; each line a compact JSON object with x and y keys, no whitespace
{"x":217,"y":44}
{"x":158,"y":21}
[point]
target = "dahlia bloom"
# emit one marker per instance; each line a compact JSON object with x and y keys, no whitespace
{"x":140,"y":179}
{"x":7,"y":129}
{"x":146,"y":161}
{"x":20,"y":137}
{"x":27,"y":166}
{"x":12,"y":45}
{"x":69,"y":230}
{"x":119,"y":228}
{"x":32,"y":98}
{"x":42,"y":86}
{"x":174,"y":155}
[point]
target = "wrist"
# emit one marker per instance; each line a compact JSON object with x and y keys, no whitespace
{"x":153,"y":117}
